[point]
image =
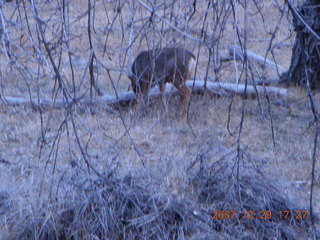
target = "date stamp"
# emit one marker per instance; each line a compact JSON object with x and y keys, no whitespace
{"x":260,"y":215}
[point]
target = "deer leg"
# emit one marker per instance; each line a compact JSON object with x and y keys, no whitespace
{"x":162,"y":87}
{"x":139,"y":103}
{"x":185,"y":102}
{"x":141,"y":97}
{"x":184,"y":93}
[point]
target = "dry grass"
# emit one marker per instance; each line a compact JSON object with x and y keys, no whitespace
{"x":166,"y":146}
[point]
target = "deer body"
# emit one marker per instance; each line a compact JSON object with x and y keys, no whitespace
{"x":160,"y":66}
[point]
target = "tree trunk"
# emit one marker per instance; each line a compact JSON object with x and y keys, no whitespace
{"x":305,"y":60}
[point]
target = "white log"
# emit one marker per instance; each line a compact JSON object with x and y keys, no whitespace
{"x":196,"y":86}
{"x":236,"y":50}
{"x":239,"y":89}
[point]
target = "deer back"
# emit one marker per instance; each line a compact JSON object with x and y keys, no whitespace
{"x":159,"y":65}
{"x":172,"y":64}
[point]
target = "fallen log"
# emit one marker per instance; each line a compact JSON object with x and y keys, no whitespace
{"x":241,"y":89}
{"x":197,"y":86}
{"x":237,"y":52}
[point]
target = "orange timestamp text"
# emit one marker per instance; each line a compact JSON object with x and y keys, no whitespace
{"x":262,"y":215}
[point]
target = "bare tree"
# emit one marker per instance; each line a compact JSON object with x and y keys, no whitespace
{"x":305,"y":60}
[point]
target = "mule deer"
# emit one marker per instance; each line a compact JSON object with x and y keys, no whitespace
{"x":160,"y":66}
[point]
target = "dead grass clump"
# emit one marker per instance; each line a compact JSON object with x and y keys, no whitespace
{"x":260,"y":207}
{"x":111,"y":209}
{"x":4,"y":202}
{"x":130,"y":209}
